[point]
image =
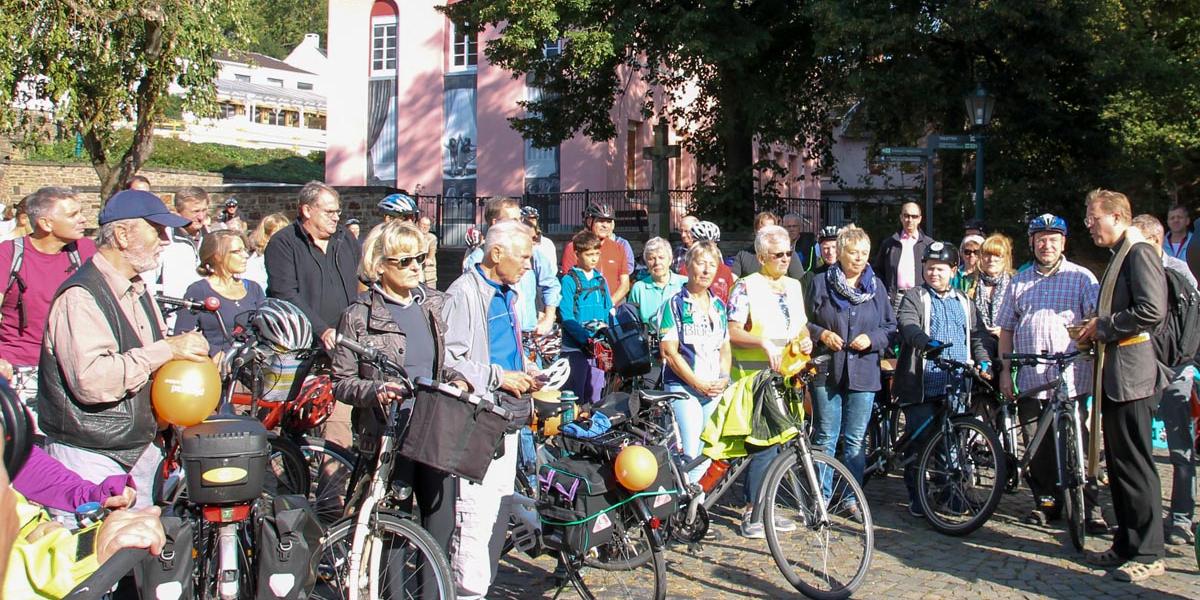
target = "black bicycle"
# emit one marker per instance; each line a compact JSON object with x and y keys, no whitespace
{"x":960,"y":466}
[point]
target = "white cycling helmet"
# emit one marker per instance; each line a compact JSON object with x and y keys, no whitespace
{"x":283,"y":325}
{"x":705,"y":231}
{"x":399,"y":205}
{"x":474,"y":237}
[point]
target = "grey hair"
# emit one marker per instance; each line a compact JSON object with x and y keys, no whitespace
{"x":794,"y":217}
{"x":311,"y":193}
{"x":504,"y":234}
{"x":852,"y":236}
{"x":41,"y":203}
{"x":769,"y":234}
{"x":190,"y":195}
{"x":655,"y":244}
{"x":106,"y":236}
{"x":1150,"y":227}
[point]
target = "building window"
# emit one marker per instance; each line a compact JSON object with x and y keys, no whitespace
{"x":245,"y":78}
{"x":464,"y":49}
{"x":633,"y":136}
{"x":303,"y":85}
{"x":552,"y":49}
{"x":275,"y":82}
{"x":230,"y":110}
{"x":383,"y":46}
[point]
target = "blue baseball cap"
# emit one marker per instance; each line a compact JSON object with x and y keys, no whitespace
{"x":138,"y":204}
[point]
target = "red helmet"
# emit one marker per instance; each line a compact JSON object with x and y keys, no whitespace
{"x":313,"y":404}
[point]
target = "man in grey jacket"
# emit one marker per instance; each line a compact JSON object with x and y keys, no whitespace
{"x":483,"y":342}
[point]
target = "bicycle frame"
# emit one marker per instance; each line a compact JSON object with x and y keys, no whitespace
{"x":1060,"y":403}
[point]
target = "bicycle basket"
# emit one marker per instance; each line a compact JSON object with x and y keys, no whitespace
{"x":454,"y":432}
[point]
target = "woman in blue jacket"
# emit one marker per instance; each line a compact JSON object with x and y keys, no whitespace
{"x":851,"y":316}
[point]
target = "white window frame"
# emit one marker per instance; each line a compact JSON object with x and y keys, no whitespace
{"x":379,"y":67}
{"x":552,"y":49}
{"x":275,"y":82}
{"x":466,"y":57}
{"x":241,"y":77}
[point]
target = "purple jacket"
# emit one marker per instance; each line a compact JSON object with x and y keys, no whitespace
{"x":46,"y":481}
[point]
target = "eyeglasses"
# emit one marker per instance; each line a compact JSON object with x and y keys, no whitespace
{"x":779,"y":255}
{"x":405,"y":261}
{"x":910,"y":216}
{"x":1089,"y":221}
{"x":970,"y":252}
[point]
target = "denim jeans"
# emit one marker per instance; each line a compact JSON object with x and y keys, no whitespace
{"x":843,"y":415}
{"x":691,"y":415}
{"x":759,"y":462}
{"x":1174,"y":409}
{"x":917,"y":416}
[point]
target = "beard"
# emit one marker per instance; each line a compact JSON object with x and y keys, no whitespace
{"x":143,"y":258}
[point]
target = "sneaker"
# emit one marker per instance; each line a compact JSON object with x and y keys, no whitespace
{"x":784,"y":524}
{"x":1134,"y":571}
{"x":914,"y":509}
{"x":751,"y":530}
{"x":1178,"y":535}
{"x":854,"y":513}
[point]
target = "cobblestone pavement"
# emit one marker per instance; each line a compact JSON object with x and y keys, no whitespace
{"x":1004,"y":559}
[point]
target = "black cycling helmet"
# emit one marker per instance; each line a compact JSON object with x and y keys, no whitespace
{"x":18,"y":429}
{"x":828,"y":233}
{"x":941,"y":252}
{"x":977,"y":224}
{"x":599,"y":211}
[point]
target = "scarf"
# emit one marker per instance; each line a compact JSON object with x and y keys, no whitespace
{"x":989,"y":306}
{"x":1108,"y":284}
{"x":843,"y":294}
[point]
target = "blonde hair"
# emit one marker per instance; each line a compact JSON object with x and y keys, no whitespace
{"x":215,"y":247}
{"x":1112,"y":203}
{"x":703,"y":249}
{"x":1000,"y":245}
{"x":852,"y":236}
{"x":388,"y":239}
{"x":267,"y":227}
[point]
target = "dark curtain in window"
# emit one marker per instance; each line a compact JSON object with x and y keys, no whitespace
{"x":380,"y":98}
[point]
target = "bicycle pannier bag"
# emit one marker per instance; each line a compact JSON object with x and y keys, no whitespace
{"x":576,"y":492}
{"x":288,"y":540}
{"x":453,"y":431}
{"x":168,"y":576}
{"x":631,"y":351}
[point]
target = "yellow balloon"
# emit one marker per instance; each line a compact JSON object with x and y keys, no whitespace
{"x":186,"y":392}
{"x":636,"y":468}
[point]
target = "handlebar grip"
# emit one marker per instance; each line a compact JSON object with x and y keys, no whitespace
{"x":98,"y":583}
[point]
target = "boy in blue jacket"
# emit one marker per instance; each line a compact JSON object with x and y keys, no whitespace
{"x":585,"y":297}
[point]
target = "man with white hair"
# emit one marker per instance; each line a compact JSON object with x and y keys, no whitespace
{"x":685,"y":241}
{"x":483,"y":342}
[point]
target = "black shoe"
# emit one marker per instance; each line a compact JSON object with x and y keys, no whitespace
{"x":1178,"y":535}
{"x":914,"y":509}
{"x":1036,"y":517}
{"x":1097,"y":526}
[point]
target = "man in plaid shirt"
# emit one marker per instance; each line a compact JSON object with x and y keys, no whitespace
{"x":1033,"y":318}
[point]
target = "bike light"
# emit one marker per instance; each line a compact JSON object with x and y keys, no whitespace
{"x":655,"y":522}
{"x":226,"y":514}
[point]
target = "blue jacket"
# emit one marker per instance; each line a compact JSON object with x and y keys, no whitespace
{"x":859,"y":371}
{"x":592,"y":305}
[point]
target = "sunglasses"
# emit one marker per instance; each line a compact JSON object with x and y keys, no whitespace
{"x":779,"y":255}
{"x":405,"y":261}
{"x":970,"y":252}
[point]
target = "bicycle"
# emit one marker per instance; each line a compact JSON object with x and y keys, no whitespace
{"x":360,"y":550}
{"x":1060,"y":418}
{"x":802,"y":485}
{"x":960,"y":472}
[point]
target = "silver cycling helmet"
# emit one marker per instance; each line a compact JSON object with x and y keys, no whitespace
{"x":706,"y":231}
{"x":281,"y":323}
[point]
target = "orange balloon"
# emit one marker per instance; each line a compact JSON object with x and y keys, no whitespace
{"x":186,"y":392}
{"x":636,"y":468}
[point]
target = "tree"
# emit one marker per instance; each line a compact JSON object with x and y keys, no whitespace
{"x":732,"y":75}
{"x":278,"y":26}
{"x":107,"y":64}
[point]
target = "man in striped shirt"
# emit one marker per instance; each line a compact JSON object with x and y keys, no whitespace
{"x":1037,"y":309}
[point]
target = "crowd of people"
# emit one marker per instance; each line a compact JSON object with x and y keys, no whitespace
{"x":81,"y":338}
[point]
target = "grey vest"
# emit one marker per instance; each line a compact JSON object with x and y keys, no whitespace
{"x":120,"y":430}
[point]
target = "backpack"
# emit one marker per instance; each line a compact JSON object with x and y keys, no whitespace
{"x":595,"y":284}
{"x":1177,"y":338}
{"x":630,"y":348}
{"x":14,"y":275}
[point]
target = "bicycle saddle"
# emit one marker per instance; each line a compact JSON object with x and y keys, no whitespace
{"x":650,"y":397}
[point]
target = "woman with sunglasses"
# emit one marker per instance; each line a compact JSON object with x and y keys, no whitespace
{"x":223,"y":259}
{"x":399,"y":316}
{"x":968,"y":267}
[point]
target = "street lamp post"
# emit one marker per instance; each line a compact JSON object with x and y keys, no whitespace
{"x":979,"y":109}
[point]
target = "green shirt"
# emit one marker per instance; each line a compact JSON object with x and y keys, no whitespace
{"x":649,"y":296}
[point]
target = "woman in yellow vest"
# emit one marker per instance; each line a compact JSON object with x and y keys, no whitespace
{"x":766,"y":311}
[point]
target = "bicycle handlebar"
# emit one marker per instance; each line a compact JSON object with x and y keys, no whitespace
{"x":1059,"y":357}
{"x":103,"y":579}
{"x":373,"y":356}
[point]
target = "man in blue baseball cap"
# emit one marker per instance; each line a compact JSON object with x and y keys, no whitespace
{"x":104,"y":339}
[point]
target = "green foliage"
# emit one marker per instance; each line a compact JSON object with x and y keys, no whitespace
{"x":278,"y":26}
{"x":272,"y":165}
{"x":105,"y":63}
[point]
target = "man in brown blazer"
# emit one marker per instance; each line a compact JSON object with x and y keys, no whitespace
{"x":1133,"y":300}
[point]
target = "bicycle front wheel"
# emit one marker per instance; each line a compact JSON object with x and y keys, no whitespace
{"x":411,"y":566}
{"x":287,"y":470}
{"x":961,"y":476}
{"x":824,"y":558}
{"x":1073,"y":508}
{"x":627,"y":567}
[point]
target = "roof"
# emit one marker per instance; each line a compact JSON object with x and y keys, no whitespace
{"x":245,"y":89}
{"x":259,"y":60}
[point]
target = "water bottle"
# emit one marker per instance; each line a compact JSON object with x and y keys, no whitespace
{"x":716,"y":470}
{"x":568,"y":400}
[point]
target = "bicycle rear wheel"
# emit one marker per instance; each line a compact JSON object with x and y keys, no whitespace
{"x":626,"y":567}
{"x":822,"y":559}
{"x":1073,"y":508}
{"x":961,"y":476}
{"x":287,"y":469}
{"x":412,"y":565}
{"x":329,"y":469}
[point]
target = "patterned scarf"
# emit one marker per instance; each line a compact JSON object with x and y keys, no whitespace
{"x":989,"y":306}
{"x":835,"y":278}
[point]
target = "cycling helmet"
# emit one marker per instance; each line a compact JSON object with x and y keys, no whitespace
{"x":282,"y":325}
{"x":1047,"y":222}
{"x":312,"y":406}
{"x":977,"y":224}
{"x":530,"y":212}
{"x":941,"y":252}
{"x":352,"y":221}
{"x":705,"y":231}
{"x":18,"y":430}
{"x":399,"y":205}
{"x":828,"y":232}
{"x":474,"y":237}
{"x":599,"y":211}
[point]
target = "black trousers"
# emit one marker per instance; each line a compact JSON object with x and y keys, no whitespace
{"x":1133,"y":479}
{"x":1043,"y":470}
